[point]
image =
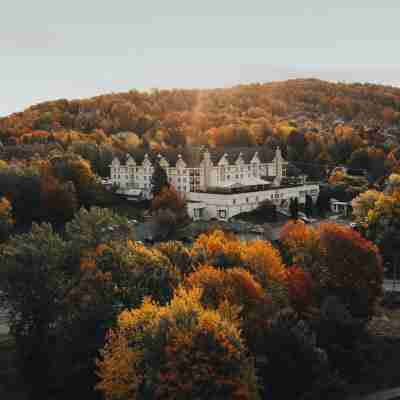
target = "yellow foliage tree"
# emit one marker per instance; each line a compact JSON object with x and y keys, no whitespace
{"x":179,"y":351}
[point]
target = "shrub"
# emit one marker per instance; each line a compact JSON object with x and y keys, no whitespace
{"x":179,"y":351}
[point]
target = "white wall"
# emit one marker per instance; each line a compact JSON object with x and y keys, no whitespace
{"x":242,"y":202}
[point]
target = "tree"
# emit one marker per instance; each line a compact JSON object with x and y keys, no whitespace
{"x":350,"y":267}
{"x":59,"y":201}
{"x":6,"y":219}
{"x":294,"y":208}
{"x":159,"y":180}
{"x":179,"y":351}
{"x":33,"y":286}
{"x":363,"y":204}
{"x":300,"y":245}
{"x":239,"y":287}
{"x":378,"y":213}
{"x":91,"y":228}
{"x":268,"y":210}
{"x":309,"y":206}
{"x":169,"y":207}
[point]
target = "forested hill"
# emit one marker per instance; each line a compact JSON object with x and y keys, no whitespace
{"x":310,"y":119}
{"x":190,"y":110}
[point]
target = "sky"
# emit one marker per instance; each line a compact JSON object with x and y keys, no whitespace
{"x":52,"y":49}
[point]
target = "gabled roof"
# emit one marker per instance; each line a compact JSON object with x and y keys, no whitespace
{"x":265,"y":154}
{"x":193,"y":156}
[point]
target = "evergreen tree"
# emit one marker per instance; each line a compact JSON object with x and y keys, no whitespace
{"x":309,"y":206}
{"x":294,"y":208}
{"x":159,"y":180}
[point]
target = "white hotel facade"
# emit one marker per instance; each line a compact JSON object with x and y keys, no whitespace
{"x":215,"y":184}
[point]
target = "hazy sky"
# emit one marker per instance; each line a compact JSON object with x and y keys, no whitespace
{"x":77,"y":48}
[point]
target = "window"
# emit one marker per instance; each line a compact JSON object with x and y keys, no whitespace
{"x":234,"y":201}
{"x":222,"y":214}
{"x":247,"y":199}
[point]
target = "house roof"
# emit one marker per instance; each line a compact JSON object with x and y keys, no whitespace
{"x":194,"y":155}
{"x":265,"y":154}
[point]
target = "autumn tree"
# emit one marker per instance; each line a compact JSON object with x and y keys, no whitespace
{"x":6,"y":219}
{"x":351,"y":267}
{"x":300,"y":245}
{"x":178,"y":254}
{"x":59,"y":201}
{"x":379,"y":216}
{"x":240,"y":288}
{"x":169,"y":211}
{"x":93,"y":227}
{"x":181,"y":350}
{"x":217,"y":248}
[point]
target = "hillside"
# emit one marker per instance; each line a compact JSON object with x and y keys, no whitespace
{"x":311,"y":120}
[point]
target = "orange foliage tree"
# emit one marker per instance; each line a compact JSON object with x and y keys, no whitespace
{"x":168,"y":199}
{"x":300,"y":244}
{"x":6,"y":219}
{"x":179,"y":351}
{"x":300,"y":288}
{"x":351,"y":266}
{"x":238,"y":287}
{"x":258,"y":257}
{"x":59,"y":200}
{"x":217,"y":248}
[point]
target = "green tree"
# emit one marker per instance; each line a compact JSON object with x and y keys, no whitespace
{"x":294,"y":208}
{"x":33,"y":286}
{"x":159,"y":180}
{"x":309,"y":206}
{"x":90,"y":228}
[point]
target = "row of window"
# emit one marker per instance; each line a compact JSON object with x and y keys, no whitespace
{"x":274,"y":196}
